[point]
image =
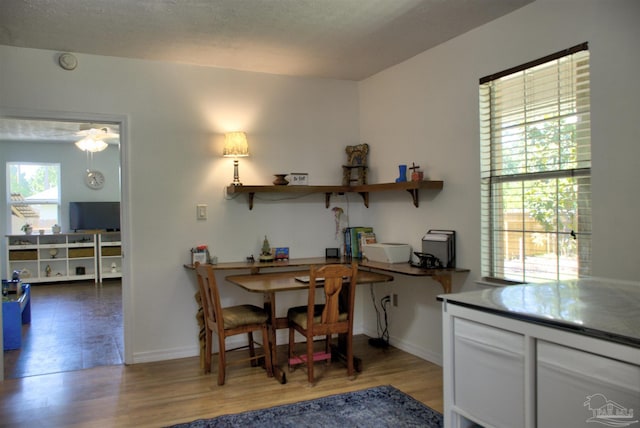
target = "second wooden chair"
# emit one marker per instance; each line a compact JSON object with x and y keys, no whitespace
{"x":335,"y":316}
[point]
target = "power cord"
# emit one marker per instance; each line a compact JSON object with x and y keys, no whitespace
{"x":382,"y":341}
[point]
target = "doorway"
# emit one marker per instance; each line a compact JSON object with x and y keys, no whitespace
{"x":95,"y":305}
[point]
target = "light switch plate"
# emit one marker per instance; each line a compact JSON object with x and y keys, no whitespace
{"x":201,"y":211}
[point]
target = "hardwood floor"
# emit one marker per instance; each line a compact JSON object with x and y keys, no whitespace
{"x":169,"y":392}
{"x":74,"y":326}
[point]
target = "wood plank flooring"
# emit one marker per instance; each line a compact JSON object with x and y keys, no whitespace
{"x":169,"y":392}
{"x":74,"y":326}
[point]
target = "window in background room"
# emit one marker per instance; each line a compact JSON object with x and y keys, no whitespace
{"x":535,"y":137}
{"x":33,"y":195}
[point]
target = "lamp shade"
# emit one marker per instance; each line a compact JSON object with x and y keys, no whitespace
{"x":235,"y":145}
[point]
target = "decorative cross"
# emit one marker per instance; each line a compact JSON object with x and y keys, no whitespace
{"x":414,"y":167}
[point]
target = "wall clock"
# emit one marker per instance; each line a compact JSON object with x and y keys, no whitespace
{"x":94,"y":179}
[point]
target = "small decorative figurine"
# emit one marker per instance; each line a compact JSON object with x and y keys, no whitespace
{"x":265,"y":254}
{"x":415,"y":174}
{"x":337,"y":214}
{"x":356,"y":160}
{"x":280,"y":180}
{"x":403,"y":174}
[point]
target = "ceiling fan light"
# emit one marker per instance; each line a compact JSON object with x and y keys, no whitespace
{"x":90,"y":144}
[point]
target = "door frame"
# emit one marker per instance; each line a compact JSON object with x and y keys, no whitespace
{"x":122,"y":120}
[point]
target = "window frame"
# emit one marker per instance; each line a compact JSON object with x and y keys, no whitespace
{"x":24,"y":205}
{"x":494,"y":173}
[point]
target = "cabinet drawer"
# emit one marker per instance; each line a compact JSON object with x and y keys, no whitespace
{"x":567,"y":378}
{"x":80,"y":252}
{"x":23,"y":255}
{"x":489,"y":369}
{"x":111,"y":251}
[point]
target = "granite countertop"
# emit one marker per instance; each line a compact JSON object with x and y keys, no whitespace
{"x":606,"y":309}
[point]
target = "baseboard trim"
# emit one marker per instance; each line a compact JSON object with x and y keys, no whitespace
{"x":165,"y":354}
{"x":425,"y":354}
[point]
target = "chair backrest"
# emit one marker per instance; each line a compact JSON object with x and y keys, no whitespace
{"x":209,"y":295}
{"x":337,"y":300}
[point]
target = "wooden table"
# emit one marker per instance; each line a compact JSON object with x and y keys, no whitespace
{"x":274,"y":282}
{"x":442,"y":276}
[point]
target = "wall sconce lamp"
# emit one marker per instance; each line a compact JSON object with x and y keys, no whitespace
{"x":235,"y":146}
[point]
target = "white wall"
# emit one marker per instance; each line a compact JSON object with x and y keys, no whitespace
{"x":176,"y":116}
{"x":425,"y":110}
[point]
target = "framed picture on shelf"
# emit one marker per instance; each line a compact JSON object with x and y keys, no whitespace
{"x":282,"y":253}
{"x":198,"y":257}
{"x":299,"y":179}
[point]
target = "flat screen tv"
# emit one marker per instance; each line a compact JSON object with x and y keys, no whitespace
{"x":94,"y":216}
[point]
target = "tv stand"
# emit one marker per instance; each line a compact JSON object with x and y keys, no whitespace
{"x":63,"y":257}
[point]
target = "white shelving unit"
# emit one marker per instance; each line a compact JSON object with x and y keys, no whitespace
{"x":109,"y":255}
{"x":53,"y":257}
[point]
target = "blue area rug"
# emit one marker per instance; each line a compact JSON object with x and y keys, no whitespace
{"x":382,"y":406}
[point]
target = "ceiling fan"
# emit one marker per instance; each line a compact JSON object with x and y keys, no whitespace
{"x":93,"y":137}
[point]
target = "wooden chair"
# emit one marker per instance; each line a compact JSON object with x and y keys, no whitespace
{"x":335,"y":316}
{"x":230,"y":321}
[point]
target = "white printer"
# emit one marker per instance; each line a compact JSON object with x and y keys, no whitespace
{"x":387,"y":252}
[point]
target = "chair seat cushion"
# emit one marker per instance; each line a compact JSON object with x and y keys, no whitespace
{"x":298,"y":315}
{"x":236,"y":316}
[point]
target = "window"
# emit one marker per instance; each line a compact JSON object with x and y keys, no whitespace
{"x":34,"y":195}
{"x":536,"y":170}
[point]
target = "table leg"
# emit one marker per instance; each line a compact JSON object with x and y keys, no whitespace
{"x":270,"y":307}
{"x":338,"y":353}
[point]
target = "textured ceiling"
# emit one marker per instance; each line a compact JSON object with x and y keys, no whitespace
{"x":12,"y":129}
{"x":342,"y":39}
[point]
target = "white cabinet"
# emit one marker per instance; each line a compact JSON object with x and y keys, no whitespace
{"x":109,"y":255}
{"x":573,"y":382}
{"x":501,"y":371}
{"x":52,"y":258}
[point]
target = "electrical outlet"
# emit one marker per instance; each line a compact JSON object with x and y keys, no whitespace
{"x":395,"y":300}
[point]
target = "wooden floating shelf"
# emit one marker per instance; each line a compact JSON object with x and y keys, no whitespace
{"x":410,"y":186}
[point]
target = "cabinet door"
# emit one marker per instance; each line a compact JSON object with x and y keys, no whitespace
{"x":489,"y":376}
{"x":576,"y":388}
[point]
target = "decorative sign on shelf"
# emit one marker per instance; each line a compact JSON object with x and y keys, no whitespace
{"x":299,"y":179}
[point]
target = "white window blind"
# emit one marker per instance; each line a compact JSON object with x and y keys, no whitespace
{"x":536,"y":169}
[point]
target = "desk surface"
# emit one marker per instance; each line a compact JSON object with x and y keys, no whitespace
{"x":408,"y":269}
{"x":285,"y":281}
{"x":442,"y":276}
{"x":257,"y":265}
{"x":403,"y":268}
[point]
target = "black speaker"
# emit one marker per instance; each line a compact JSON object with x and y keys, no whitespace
{"x":332,"y":253}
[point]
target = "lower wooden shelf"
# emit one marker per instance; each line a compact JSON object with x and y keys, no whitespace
{"x":412,"y":187}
